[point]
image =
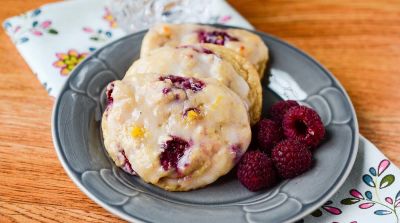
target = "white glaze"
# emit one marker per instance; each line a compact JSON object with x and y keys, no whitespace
{"x":139,"y":101}
{"x":190,"y":61}
{"x":249,"y":45}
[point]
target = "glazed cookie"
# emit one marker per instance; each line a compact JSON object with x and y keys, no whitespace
{"x":179,"y":133}
{"x":248,"y":72}
{"x":207,"y":60}
{"x":248,"y":45}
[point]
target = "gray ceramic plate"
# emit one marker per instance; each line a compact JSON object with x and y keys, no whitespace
{"x":291,"y":73}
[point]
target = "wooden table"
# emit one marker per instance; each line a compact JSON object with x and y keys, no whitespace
{"x":358,"y":41}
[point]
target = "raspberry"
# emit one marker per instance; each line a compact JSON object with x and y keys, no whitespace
{"x":268,"y":134}
{"x":256,"y":171}
{"x":109,"y":92}
{"x":184,"y":82}
{"x":237,"y":150}
{"x":166,"y":90}
{"x":215,"y":37}
{"x":173,"y":151}
{"x":291,"y":158}
{"x":127,"y":166}
{"x":303,"y":124}
{"x":278,"y":110}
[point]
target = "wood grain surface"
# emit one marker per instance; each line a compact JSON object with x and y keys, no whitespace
{"x":358,"y":41}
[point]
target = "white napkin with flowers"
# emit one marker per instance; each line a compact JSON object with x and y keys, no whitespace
{"x":54,"y":38}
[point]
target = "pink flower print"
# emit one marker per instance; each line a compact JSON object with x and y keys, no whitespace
{"x":328,"y":208}
{"x":225,"y":18}
{"x":332,"y":210}
{"x":377,"y":181}
{"x":109,"y":18}
{"x":38,"y":29}
{"x":18,"y":28}
{"x":29,"y":26}
{"x":36,"y":32}
{"x":98,"y":35}
{"x":46,"y":24}
{"x":366,"y":205}
{"x":389,"y":200}
{"x":383,"y":165}
{"x":68,"y":61}
{"x":88,"y":30}
{"x":355,"y":193}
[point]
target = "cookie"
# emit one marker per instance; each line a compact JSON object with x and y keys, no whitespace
{"x":248,"y":72}
{"x":207,"y":61}
{"x":247,"y":44}
{"x":178,"y":133}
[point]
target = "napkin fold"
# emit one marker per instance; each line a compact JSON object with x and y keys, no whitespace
{"x":54,"y":38}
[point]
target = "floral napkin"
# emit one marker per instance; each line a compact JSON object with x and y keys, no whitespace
{"x":53,"y":39}
{"x":370,"y":194}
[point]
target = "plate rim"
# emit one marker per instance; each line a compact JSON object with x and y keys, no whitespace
{"x":356,"y":137}
{"x":302,"y":214}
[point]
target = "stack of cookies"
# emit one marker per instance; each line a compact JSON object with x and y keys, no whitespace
{"x":182,"y":115}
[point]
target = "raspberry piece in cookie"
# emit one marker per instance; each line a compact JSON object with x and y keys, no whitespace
{"x":186,"y":65}
{"x":242,"y":42}
{"x":185,"y":83}
{"x":126,"y":165}
{"x":217,"y":37}
{"x":109,"y":91}
{"x":174,"y":149}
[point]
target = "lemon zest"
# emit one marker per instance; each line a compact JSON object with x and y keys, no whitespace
{"x":216,"y":102}
{"x":138,"y":132}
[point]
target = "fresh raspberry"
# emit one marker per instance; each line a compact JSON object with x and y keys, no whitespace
{"x":215,"y":37}
{"x":291,"y":158}
{"x":186,"y":83}
{"x":109,"y":92}
{"x":303,"y":124}
{"x":256,"y":171}
{"x":173,"y":151}
{"x":268,"y":134}
{"x":278,"y":110}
